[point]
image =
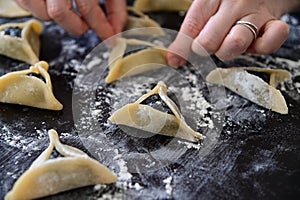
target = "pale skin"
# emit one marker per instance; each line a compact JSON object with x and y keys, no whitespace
{"x":209,"y":24}
{"x":212,"y":26}
{"x":89,"y":15}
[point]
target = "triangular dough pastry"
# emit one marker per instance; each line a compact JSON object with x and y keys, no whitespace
{"x":21,"y":41}
{"x":138,"y":20}
{"x":162,"y":5}
{"x":155,"y":112}
{"x":243,"y":82}
{"x":46,"y":176}
{"x":148,"y":58}
{"x":10,"y":9}
{"x":31,"y":87}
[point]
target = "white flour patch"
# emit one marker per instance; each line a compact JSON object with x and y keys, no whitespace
{"x":22,"y":142}
{"x":168,"y":186}
{"x":95,"y":62}
{"x":124,"y":177}
{"x":190,"y":145}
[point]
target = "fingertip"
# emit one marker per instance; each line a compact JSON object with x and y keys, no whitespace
{"x":224,"y":57}
{"x":179,"y":50}
{"x":117,"y":14}
{"x":175,"y":60}
{"x":285,"y":29}
{"x":37,"y":9}
{"x":274,"y":35}
{"x":118,"y":21}
{"x":78,"y":32}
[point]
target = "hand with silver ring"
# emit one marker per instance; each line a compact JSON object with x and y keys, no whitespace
{"x":87,"y":15}
{"x":250,"y":26}
{"x":229,"y":28}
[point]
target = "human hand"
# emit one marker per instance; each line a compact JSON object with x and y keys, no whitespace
{"x":212,"y":25}
{"x":89,"y":15}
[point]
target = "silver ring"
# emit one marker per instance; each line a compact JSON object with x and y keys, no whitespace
{"x":250,"y":26}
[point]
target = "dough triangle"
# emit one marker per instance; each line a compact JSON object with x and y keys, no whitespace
{"x":25,"y":88}
{"x":160,"y":116}
{"x":46,"y":176}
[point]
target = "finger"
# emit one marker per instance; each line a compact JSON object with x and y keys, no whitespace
{"x":117,"y":14}
{"x":198,"y":14}
{"x":62,"y":12}
{"x":176,"y":56}
{"x":216,"y":29}
{"x":239,"y":38}
{"x":37,"y":8}
{"x":274,"y":33}
{"x":235,"y":43}
{"x":95,"y":18}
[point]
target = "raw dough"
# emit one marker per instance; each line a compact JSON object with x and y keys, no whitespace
{"x":138,"y":20}
{"x":46,"y":176}
{"x":24,"y":88}
{"x":162,"y":5}
{"x":144,"y":60}
{"x":156,"y":118}
{"x":252,"y":87}
{"x":25,"y":48}
{"x":10,"y":9}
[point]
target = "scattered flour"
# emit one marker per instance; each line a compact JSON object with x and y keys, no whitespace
{"x":123,"y":174}
{"x":190,"y":145}
{"x":95,"y":62}
{"x":22,"y":142}
{"x":105,"y":55}
{"x":168,"y":186}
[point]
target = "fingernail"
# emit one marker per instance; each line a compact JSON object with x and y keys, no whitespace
{"x":174,"y":62}
{"x":199,"y":50}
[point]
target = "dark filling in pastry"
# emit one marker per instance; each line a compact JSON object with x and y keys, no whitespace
{"x":37,"y":76}
{"x":55,"y":154}
{"x":157,"y":103}
{"x":12,"y":31}
{"x":264,"y":76}
{"x":127,"y":53}
{"x":133,"y":14}
{"x":297,"y":79}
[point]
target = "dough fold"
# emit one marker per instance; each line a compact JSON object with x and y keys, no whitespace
{"x":246,"y":82}
{"x":162,"y":5}
{"x":46,"y":176}
{"x":31,"y":87}
{"x":120,"y":65}
{"x":144,"y":117}
{"x":25,"y":48}
{"x":138,"y":21}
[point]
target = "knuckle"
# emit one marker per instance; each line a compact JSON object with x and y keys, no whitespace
{"x":56,"y":13}
{"x":238,"y":43}
{"x":84,"y":8}
{"x":208,"y":43}
{"x":191,"y":27}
